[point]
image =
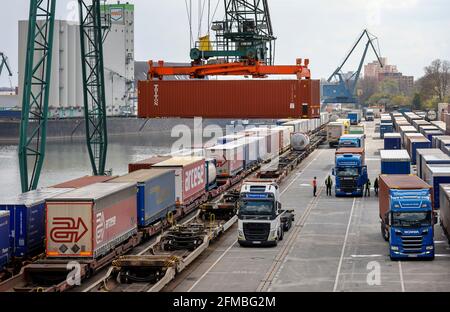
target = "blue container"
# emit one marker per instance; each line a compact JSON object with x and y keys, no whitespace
{"x":393,"y":142}
{"x":10,"y":114}
{"x":5,"y":231}
{"x":435,"y":175}
{"x":27,"y":219}
{"x":415,"y":145}
{"x":386,"y":128}
{"x":395,"y":162}
{"x":156,"y":193}
{"x":431,"y":133}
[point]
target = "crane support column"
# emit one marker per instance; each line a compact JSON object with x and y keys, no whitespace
{"x":91,"y":33}
{"x":33,"y":129}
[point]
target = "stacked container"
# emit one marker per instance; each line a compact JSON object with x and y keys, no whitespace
{"x":429,"y":134}
{"x":92,"y":221}
{"x":435,"y":175}
{"x":420,"y":122}
{"x":190,"y":180}
{"x":392,"y":141}
{"x":444,"y":213}
{"x":27,"y":219}
{"x":415,"y":144}
{"x":5,"y":230}
{"x":147,"y":163}
{"x":395,"y":162}
{"x":430,"y":156}
{"x":386,"y":128}
{"x":156,"y":193}
{"x":441,"y":141}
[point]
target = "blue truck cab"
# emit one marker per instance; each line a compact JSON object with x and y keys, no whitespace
{"x":350,"y":172}
{"x":407,"y":218}
{"x":355,"y":117}
{"x":352,"y":140}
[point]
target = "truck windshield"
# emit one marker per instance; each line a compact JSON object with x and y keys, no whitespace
{"x":411,"y":219}
{"x":256,"y":208}
{"x":348,"y":143}
{"x":347,"y":172}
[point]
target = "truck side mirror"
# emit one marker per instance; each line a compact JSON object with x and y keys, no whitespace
{"x":279,"y":206}
{"x":435,"y":218}
{"x":387,"y":219}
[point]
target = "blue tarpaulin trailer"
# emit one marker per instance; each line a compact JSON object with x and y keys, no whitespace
{"x":27,"y":219}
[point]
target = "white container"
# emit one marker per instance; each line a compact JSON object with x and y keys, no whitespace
{"x":229,"y":157}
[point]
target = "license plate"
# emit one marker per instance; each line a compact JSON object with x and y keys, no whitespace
{"x":412,"y":256}
{"x":256,"y":243}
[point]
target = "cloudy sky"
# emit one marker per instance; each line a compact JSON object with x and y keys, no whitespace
{"x":411,"y":32}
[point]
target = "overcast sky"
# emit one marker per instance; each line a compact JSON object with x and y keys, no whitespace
{"x":411,"y":32}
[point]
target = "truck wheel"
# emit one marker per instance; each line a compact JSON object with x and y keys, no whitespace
{"x":281,"y":234}
{"x":384,"y":232}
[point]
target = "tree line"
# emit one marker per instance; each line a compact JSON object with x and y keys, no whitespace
{"x":429,"y":90}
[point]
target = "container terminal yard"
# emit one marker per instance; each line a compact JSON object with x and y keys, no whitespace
{"x":228,"y":173}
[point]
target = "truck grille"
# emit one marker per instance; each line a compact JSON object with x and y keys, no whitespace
{"x":348,"y":185}
{"x":256,"y":231}
{"x":412,"y":244}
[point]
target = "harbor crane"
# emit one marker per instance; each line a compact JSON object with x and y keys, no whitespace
{"x":341,"y":88}
{"x":4,"y":64}
{"x":244,"y":45}
{"x":37,"y":77}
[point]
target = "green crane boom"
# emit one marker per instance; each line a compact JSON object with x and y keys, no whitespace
{"x":33,"y":129}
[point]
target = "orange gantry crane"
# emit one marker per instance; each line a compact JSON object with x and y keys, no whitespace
{"x":254,"y":69}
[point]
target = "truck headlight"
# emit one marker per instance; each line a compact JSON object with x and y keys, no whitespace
{"x":338,"y":189}
{"x":273,"y":235}
{"x":241,"y":234}
{"x":394,"y":248}
{"x":430,"y":247}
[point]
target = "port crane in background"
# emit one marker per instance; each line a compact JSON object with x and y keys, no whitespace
{"x":4,"y":64}
{"x":33,"y":129}
{"x":341,"y":88}
{"x":244,"y":45}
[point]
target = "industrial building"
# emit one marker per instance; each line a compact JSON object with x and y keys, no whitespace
{"x":66,"y":91}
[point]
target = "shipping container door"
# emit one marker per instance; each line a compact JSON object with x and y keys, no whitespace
{"x":69,"y":229}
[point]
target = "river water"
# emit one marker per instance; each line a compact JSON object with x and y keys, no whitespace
{"x":67,"y":160}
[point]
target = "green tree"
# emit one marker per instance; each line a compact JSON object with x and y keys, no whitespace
{"x":417,"y":102}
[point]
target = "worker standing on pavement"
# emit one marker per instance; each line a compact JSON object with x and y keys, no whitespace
{"x":368,"y":184}
{"x":315,"y":186}
{"x":376,"y":186}
{"x":329,"y":185}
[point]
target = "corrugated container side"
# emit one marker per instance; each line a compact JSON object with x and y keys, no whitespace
{"x":4,"y":239}
{"x":423,"y":155}
{"x":101,"y":223}
{"x":230,"y":158}
{"x":229,"y":98}
{"x":415,"y":144}
{"x":392,"y":143}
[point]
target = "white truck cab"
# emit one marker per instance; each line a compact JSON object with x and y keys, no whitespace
{"x":261,"y":219}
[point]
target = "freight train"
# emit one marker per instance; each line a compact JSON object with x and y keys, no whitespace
{"x":95,"y":219}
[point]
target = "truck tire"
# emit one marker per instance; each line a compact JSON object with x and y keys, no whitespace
{"x":281,"y":233}
{"x":384,"y":232}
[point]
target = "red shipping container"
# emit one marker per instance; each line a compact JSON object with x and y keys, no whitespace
{"x":91,"y":221}
{"x":266,"y":99}
{"x":190,"y":179}
{"x":146,"y":163}
{"x":84,"y":181}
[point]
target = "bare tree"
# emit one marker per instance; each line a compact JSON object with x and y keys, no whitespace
{"x":437,"y":79}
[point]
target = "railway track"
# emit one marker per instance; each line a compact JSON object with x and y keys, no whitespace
{"x":133,"y":269}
